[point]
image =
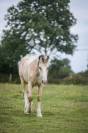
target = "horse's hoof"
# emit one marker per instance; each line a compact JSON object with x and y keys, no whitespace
{"x":39,"y":115}
{"x":26,"y":113}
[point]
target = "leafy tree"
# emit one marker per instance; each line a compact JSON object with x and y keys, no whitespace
{"x":10,"y":50}
{"x":44,"y":24}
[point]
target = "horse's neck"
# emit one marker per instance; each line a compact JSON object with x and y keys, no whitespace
{"x":34,"y":65}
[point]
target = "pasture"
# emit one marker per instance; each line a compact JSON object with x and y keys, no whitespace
{"x":65,"y":110}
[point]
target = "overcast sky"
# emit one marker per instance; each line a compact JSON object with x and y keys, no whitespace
{"x":79,"y":8}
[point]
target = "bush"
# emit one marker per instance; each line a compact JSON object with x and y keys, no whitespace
{"x":73,"y":79}
{"x":76,"y":79}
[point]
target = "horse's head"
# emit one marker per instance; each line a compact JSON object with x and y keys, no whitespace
{"x":43,"y":68}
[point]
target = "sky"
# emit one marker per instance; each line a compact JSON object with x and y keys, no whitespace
{"x":79,"y":60}
{"x":79,"y":8}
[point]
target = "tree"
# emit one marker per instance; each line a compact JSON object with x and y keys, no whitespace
{"x":10,"y":50}
{"x":43,"y":24}
{"x":59,"y":69}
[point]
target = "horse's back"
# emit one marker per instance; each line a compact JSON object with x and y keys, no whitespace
{"x":26,"y":67}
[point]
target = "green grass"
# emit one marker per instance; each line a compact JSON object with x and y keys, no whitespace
{"x":65,"y":110}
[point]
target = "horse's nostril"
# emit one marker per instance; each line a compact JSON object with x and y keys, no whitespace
{"x":44,"y":82}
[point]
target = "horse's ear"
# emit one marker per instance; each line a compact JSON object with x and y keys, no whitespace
{"x":41,"y":58}
{"x":47,"y":58}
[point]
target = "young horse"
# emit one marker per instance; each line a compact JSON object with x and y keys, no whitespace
{"x":33,"y":72}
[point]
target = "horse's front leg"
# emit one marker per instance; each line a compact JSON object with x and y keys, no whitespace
{"x":39,"y":114}
{"x":29,"y":91}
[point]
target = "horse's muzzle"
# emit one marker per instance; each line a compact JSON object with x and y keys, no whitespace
{"x":44,"y":82}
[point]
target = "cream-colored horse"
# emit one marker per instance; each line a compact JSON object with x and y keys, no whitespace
{"x":33,"y":72}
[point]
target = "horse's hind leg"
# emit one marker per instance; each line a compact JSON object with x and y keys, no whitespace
{"x":26,"y":103}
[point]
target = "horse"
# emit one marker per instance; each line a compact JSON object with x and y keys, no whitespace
{"x":33,"y":71}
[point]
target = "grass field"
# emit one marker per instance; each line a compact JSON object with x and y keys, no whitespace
{"x":65,"y":110}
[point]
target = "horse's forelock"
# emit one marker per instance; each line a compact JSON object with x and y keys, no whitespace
{"x":43,"y":58}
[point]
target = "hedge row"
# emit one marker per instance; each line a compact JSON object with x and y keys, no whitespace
{"x":74,"y":79}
